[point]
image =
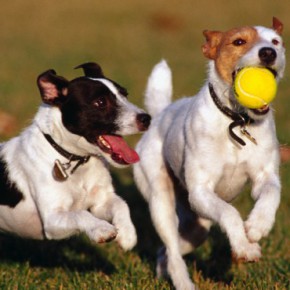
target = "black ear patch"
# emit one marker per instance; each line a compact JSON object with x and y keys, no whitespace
{"x":53,"y":88}
{"x":91,"y":70}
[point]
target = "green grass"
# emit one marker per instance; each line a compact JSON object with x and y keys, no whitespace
{"x":127,"y":38}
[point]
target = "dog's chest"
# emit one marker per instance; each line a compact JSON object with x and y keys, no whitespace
{"x":88,"y":186}
{"x":233,"y":177}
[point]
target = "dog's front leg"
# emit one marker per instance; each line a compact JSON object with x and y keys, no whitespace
{"x":266,"y":192}
{"x":117,"y":211}
{"x":62,"y":224}
{"x":210,"y":206}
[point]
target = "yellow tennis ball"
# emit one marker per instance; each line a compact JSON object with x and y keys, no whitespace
{"x":255,"y":87}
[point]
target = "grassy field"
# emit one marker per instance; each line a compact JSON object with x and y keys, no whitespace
{"x":127,"y":38}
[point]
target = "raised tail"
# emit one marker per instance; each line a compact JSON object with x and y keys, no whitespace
{"x":158,"y":92}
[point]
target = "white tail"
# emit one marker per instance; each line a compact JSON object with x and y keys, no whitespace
{"x":158,"y":93}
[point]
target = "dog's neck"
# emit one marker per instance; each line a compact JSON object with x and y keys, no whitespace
{"x":48,"y":120}
{"x":222,"y":89}
{"x":221,"y":95}
{"x":239,"y":119}
{"x":60,"y":169}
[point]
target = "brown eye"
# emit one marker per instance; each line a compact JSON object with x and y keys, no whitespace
{"x":239,"y":42}
{"x":275,"y":41}
{"x":101,"y":103}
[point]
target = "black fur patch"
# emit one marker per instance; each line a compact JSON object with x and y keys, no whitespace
{"x":9,"y":194}
{"x":90,"y":110}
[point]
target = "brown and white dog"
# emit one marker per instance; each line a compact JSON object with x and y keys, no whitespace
{"x":200,"y":151}
{"x":54,"y":177}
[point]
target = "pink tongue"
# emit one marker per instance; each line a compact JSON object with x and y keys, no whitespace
{"x":121,"y":148}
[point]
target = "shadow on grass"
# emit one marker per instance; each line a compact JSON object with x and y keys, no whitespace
{"x":215,"y":267}
{"x":75,"y":254}
{"x":79,"y":254}
{"x":148,"y":240}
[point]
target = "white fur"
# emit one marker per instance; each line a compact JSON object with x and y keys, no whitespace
{"x":190,"y":137}
{"x":160,"y":82}
{"x":127,"y":115}
{"x":85,"y":203}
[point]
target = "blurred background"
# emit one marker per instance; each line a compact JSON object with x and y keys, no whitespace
{"x":127,"y":38}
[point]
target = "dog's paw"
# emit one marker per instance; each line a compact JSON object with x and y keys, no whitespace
{"x":256,"y":230}
{"x":104,"y":232}
{"x":176,"y":270}
{"x":127,"y":237}
{"x":249,"y":252}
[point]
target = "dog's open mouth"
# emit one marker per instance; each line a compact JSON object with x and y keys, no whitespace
{"x":261,"y":111}
{"x":119,"y":150}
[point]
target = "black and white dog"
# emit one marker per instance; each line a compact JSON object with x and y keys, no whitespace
{"x":54,"y":177}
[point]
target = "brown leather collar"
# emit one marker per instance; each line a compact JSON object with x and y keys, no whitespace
{"x":59,"y":170}
{"x":239,"y":119}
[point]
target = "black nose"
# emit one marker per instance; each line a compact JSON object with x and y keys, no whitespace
{"x":143,"y":121}
{"x":267,"y":55}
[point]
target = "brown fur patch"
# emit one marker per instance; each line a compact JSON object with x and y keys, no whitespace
{"x":221,"y":48}
{"x":277,"y":25}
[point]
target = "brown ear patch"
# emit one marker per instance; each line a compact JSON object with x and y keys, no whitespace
{"x":277,"y":25}
{"x":226,"y":48}
{"x":213,"y":39}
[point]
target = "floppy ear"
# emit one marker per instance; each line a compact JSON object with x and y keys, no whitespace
{"x":277,"y":25}
{"x":213,"y":39}
{"x":91,"y":70}
{"x":53,"y":88}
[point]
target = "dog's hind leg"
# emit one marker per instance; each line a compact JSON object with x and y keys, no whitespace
{"x":162,"y":207}
{"x":163,"y":212}
{"x":193,"y":233}
{"x":156,"y":185}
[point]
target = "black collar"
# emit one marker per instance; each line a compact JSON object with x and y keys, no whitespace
{"x":239,"y":119}
{"x":59,"y":170}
